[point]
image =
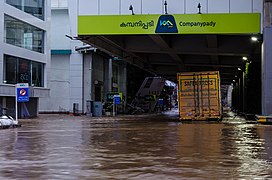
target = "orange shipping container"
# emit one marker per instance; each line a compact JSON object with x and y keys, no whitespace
{"x":199,"y":96}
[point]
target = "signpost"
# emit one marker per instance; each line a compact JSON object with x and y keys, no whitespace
{"x":22,"y":95}
{"x":116,"y":101}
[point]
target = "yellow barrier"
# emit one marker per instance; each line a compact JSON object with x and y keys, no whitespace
{"x":264,"y":119}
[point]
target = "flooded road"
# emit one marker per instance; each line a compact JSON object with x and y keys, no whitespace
{"x":135,"y":147}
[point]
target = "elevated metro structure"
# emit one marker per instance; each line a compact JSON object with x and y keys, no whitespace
{"x":167,"y":37}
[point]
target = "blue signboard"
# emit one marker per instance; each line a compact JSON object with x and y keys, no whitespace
{"x":22,"y":92}
{"x":160,"y":102}
{"x":109,"y":97}
{"x":116,"y":99}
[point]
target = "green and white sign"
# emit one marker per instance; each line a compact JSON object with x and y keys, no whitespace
{"x":240,"y":23}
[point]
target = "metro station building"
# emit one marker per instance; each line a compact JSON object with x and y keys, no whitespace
{"x":166,"y":37}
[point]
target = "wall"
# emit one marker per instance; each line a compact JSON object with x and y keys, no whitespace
{"x":60,"y":26}
{"x":66,"y":78}
{"x":106,"y":7}
{"x":59,"y":85}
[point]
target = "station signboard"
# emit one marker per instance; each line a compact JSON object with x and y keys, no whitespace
{"x":228,"y":23}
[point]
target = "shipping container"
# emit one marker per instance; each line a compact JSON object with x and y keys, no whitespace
{"x":199,"y":96}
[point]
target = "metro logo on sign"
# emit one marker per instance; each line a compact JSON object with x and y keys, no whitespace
{"x":166,"y":24}
{"x":22,"y":92}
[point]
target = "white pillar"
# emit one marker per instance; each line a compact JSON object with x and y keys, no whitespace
{"x":267,"y":71}
{"x":108,"y":76}
{"x":123,"y":79}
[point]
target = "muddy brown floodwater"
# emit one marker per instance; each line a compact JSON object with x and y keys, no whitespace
{"x":135,"y":147}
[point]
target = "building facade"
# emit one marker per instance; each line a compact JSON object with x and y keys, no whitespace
{"x":24,"y":52}
{"x":121,"y":7}
{"x":80,"y":73}
{"x":177,"y":7}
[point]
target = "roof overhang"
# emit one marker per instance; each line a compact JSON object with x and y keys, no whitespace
{"x":167,"y":44}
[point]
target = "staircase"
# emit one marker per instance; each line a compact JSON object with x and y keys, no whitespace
{"x":147,"y":96}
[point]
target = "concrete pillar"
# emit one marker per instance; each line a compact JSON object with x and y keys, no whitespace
{"x":2,"y":39}
{"x":236,"y":97}
{"x":239,"y":94}
{"x":87,"y":79}
{"x":267,"y":71}
{"x":76,"y":81}
{"x":123,"y":79}
{"x":108,"y":76}
{"x":230,"y":89}
{"x":241,"y":97}
{"x":243,"y":92}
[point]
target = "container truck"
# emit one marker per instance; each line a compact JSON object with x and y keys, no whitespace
{"x":199,"y":96}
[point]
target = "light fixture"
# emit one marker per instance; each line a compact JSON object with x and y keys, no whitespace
{"x":239,"y":69}
{"x":253,"y":38}
{"x":165,"y":7}
{"x":245,"y":58}
{"x":233,"y":80}
{"x":199,"y":8}
{"x":72,"y":38}
{"x":131,"y":9}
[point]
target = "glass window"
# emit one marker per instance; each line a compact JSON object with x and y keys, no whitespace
{"x":23,"y":72}
{"x":23,"y":35}
{"x":10,"y":70}
{"x":18,"y":70}
{"x":33,"y":7}
{"x":37,"y":72}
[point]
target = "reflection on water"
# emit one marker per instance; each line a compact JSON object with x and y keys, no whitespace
{"x":134,"y":147}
